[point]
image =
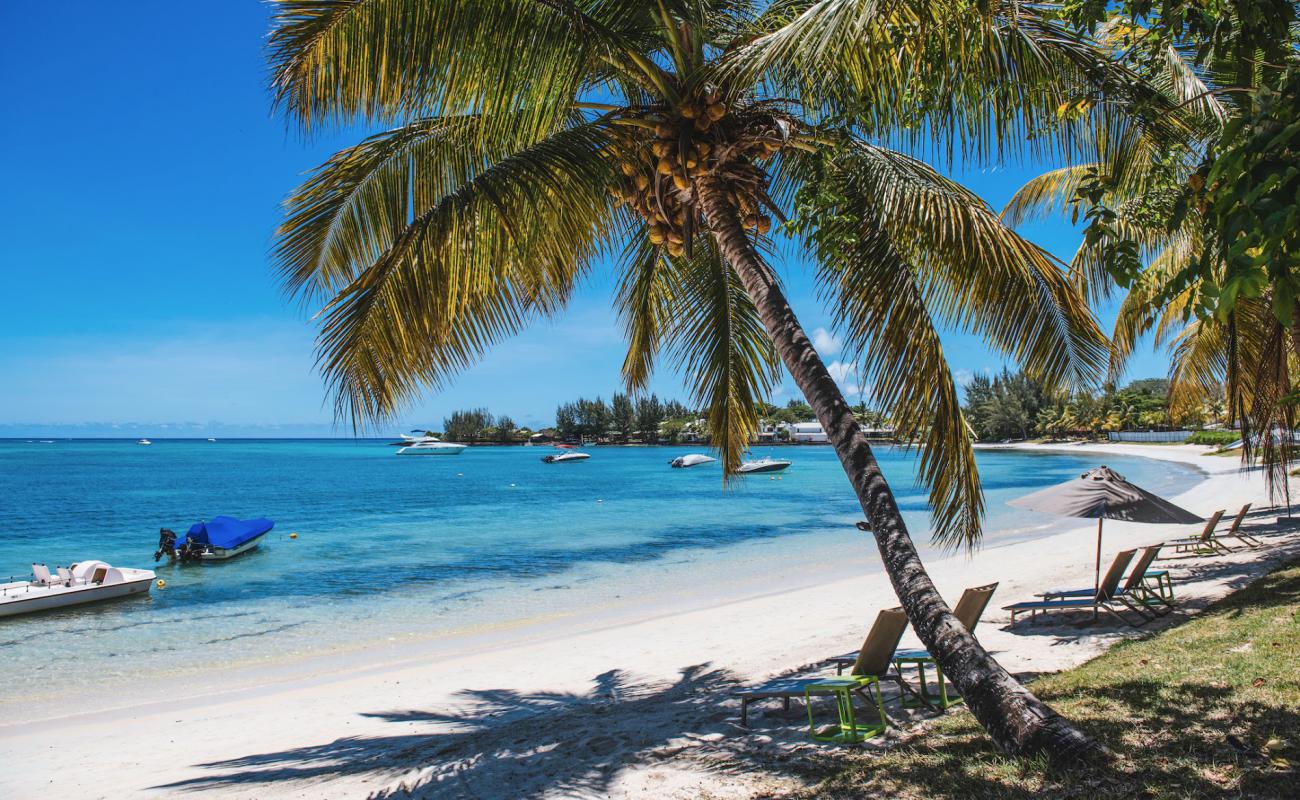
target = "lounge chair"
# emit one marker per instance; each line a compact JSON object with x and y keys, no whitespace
{"x":970,"y":607}
{"x":1103,"y":599}
{"x":1235,"y":532}
{"x":871,"y":665}
{"x":1135,"y":593}
{"x":1202,"y":544}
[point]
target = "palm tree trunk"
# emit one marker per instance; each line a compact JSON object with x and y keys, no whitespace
{"x":1017,"y":721}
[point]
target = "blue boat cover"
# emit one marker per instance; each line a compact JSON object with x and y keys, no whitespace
{"x":226,"y":532}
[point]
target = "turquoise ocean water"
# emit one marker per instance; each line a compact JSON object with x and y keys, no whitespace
{"x":391,"y":546}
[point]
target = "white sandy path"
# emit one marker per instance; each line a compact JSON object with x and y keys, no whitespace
{"x":628,"y":711}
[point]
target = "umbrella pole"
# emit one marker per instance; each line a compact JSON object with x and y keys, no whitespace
{"x":1096,"y":581}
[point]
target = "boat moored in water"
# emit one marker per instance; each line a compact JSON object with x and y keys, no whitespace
{"x":691,"y":460}
{"x":431,"y":446}
{"x":215,"y":540}
{"x":763,"y":465}
{"x":144,"y":442}
{"x":568,"y":455}
{"x":83,"y":582}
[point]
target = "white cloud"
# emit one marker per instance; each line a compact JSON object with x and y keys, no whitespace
{"x":963,"y":376}
{"x":845,"y":374}
{"x":827,"y":343}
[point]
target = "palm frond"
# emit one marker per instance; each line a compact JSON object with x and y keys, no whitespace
{"x":1045,"y":195}
{"x":352,"y":209}
{"x":977,"y":274}
{"x":473,"y":267}
{"x":878,"y":305}
{"x":929,"y":73}
{"x":720,"y":345}
{"x":336,"y":60}
{"x":697,"y":310}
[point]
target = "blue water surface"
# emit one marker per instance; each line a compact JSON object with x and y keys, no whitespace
{"x":428,"y":543}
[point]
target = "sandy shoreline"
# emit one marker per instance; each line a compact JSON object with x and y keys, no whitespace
{"x":622,"y":710}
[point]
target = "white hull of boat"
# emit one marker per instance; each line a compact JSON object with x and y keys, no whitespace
{"x":221,"y":553}
{"x":437,"y":449}
{"x":691,"y":460}
{"x":566,"y":457}
{"x":766,"y":465}
{"x":24,"y":598}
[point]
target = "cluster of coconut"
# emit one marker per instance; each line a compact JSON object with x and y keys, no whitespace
{"x":694,"y":140}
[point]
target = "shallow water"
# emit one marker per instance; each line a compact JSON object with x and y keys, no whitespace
{"x":430,"y":545}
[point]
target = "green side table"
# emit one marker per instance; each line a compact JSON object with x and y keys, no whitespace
{"x":847,"y":730}
{"x":920,"y":658}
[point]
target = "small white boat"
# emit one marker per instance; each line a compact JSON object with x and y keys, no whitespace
{"x":763,"y":465}
{"x":691,"y":460}
{"x":431,"y":446}
{"x":211,"y":440}
{"x":561,"y":458}
{"x":83,"y":582}
{"x":145,"y":442}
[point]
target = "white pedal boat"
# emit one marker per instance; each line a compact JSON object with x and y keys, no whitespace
{"x":83,"y":582}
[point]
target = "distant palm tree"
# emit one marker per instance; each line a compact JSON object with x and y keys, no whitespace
{"x":536,"y":140}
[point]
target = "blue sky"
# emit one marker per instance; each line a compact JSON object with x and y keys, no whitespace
{"x":143,"y":171}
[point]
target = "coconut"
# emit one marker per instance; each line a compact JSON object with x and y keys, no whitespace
{"x":716,"y":111}
{"x":682,"y":182}
{"x":764,"y":223}
{"x":661,"y":149}
{"x":665,"y":167}
{"x":629,"y":169}
{"x":665,"y":131}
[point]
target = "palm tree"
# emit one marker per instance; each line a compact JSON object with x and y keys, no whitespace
{"x":1156,"y":209}
{"x":535,"y":141}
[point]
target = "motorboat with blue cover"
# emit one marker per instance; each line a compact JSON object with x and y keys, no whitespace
{"x":218,"y":538}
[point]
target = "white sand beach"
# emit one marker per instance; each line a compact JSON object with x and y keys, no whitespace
{"x":635,"y":706}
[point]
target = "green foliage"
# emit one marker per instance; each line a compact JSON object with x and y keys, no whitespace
{"x":468,"y":426}
{"x":1253,"y":204}
{"x":649,"y":414}
{"x":1014,"y":406}
{"x":623,"y":415}
{"x":1215,"y":438}
{"x":1005,"y":406}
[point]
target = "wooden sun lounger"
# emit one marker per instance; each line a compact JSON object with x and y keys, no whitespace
{"x":970,"y":607}
{"x":871,"y":666}
{"x":1105,"y":598}
{"x":1202,"y":543}
{"x":1134,"y":594}
{"x":1235,"y":532}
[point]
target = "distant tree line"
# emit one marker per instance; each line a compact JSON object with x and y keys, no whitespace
{"x":479,"y":425}
{"x":623,"y":419}
{"x":1014,"y":406}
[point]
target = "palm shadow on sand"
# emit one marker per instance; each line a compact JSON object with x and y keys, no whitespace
{"x":500,"y":742}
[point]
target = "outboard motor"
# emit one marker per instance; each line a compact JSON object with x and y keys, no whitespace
{"x":166,"y":544}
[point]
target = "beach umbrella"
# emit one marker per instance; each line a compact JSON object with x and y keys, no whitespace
{"x":1103,"y":494}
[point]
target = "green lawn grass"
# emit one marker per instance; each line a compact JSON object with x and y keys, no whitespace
{"x":1210,"y":708}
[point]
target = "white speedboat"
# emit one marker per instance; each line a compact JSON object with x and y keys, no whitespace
{"x":691,"y":460}
{"x":431,"y":446}
{"x":763,"y":465}
{"x":561,"y":458}
{"x":145,"y":442}
{"x":83,"y":582}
